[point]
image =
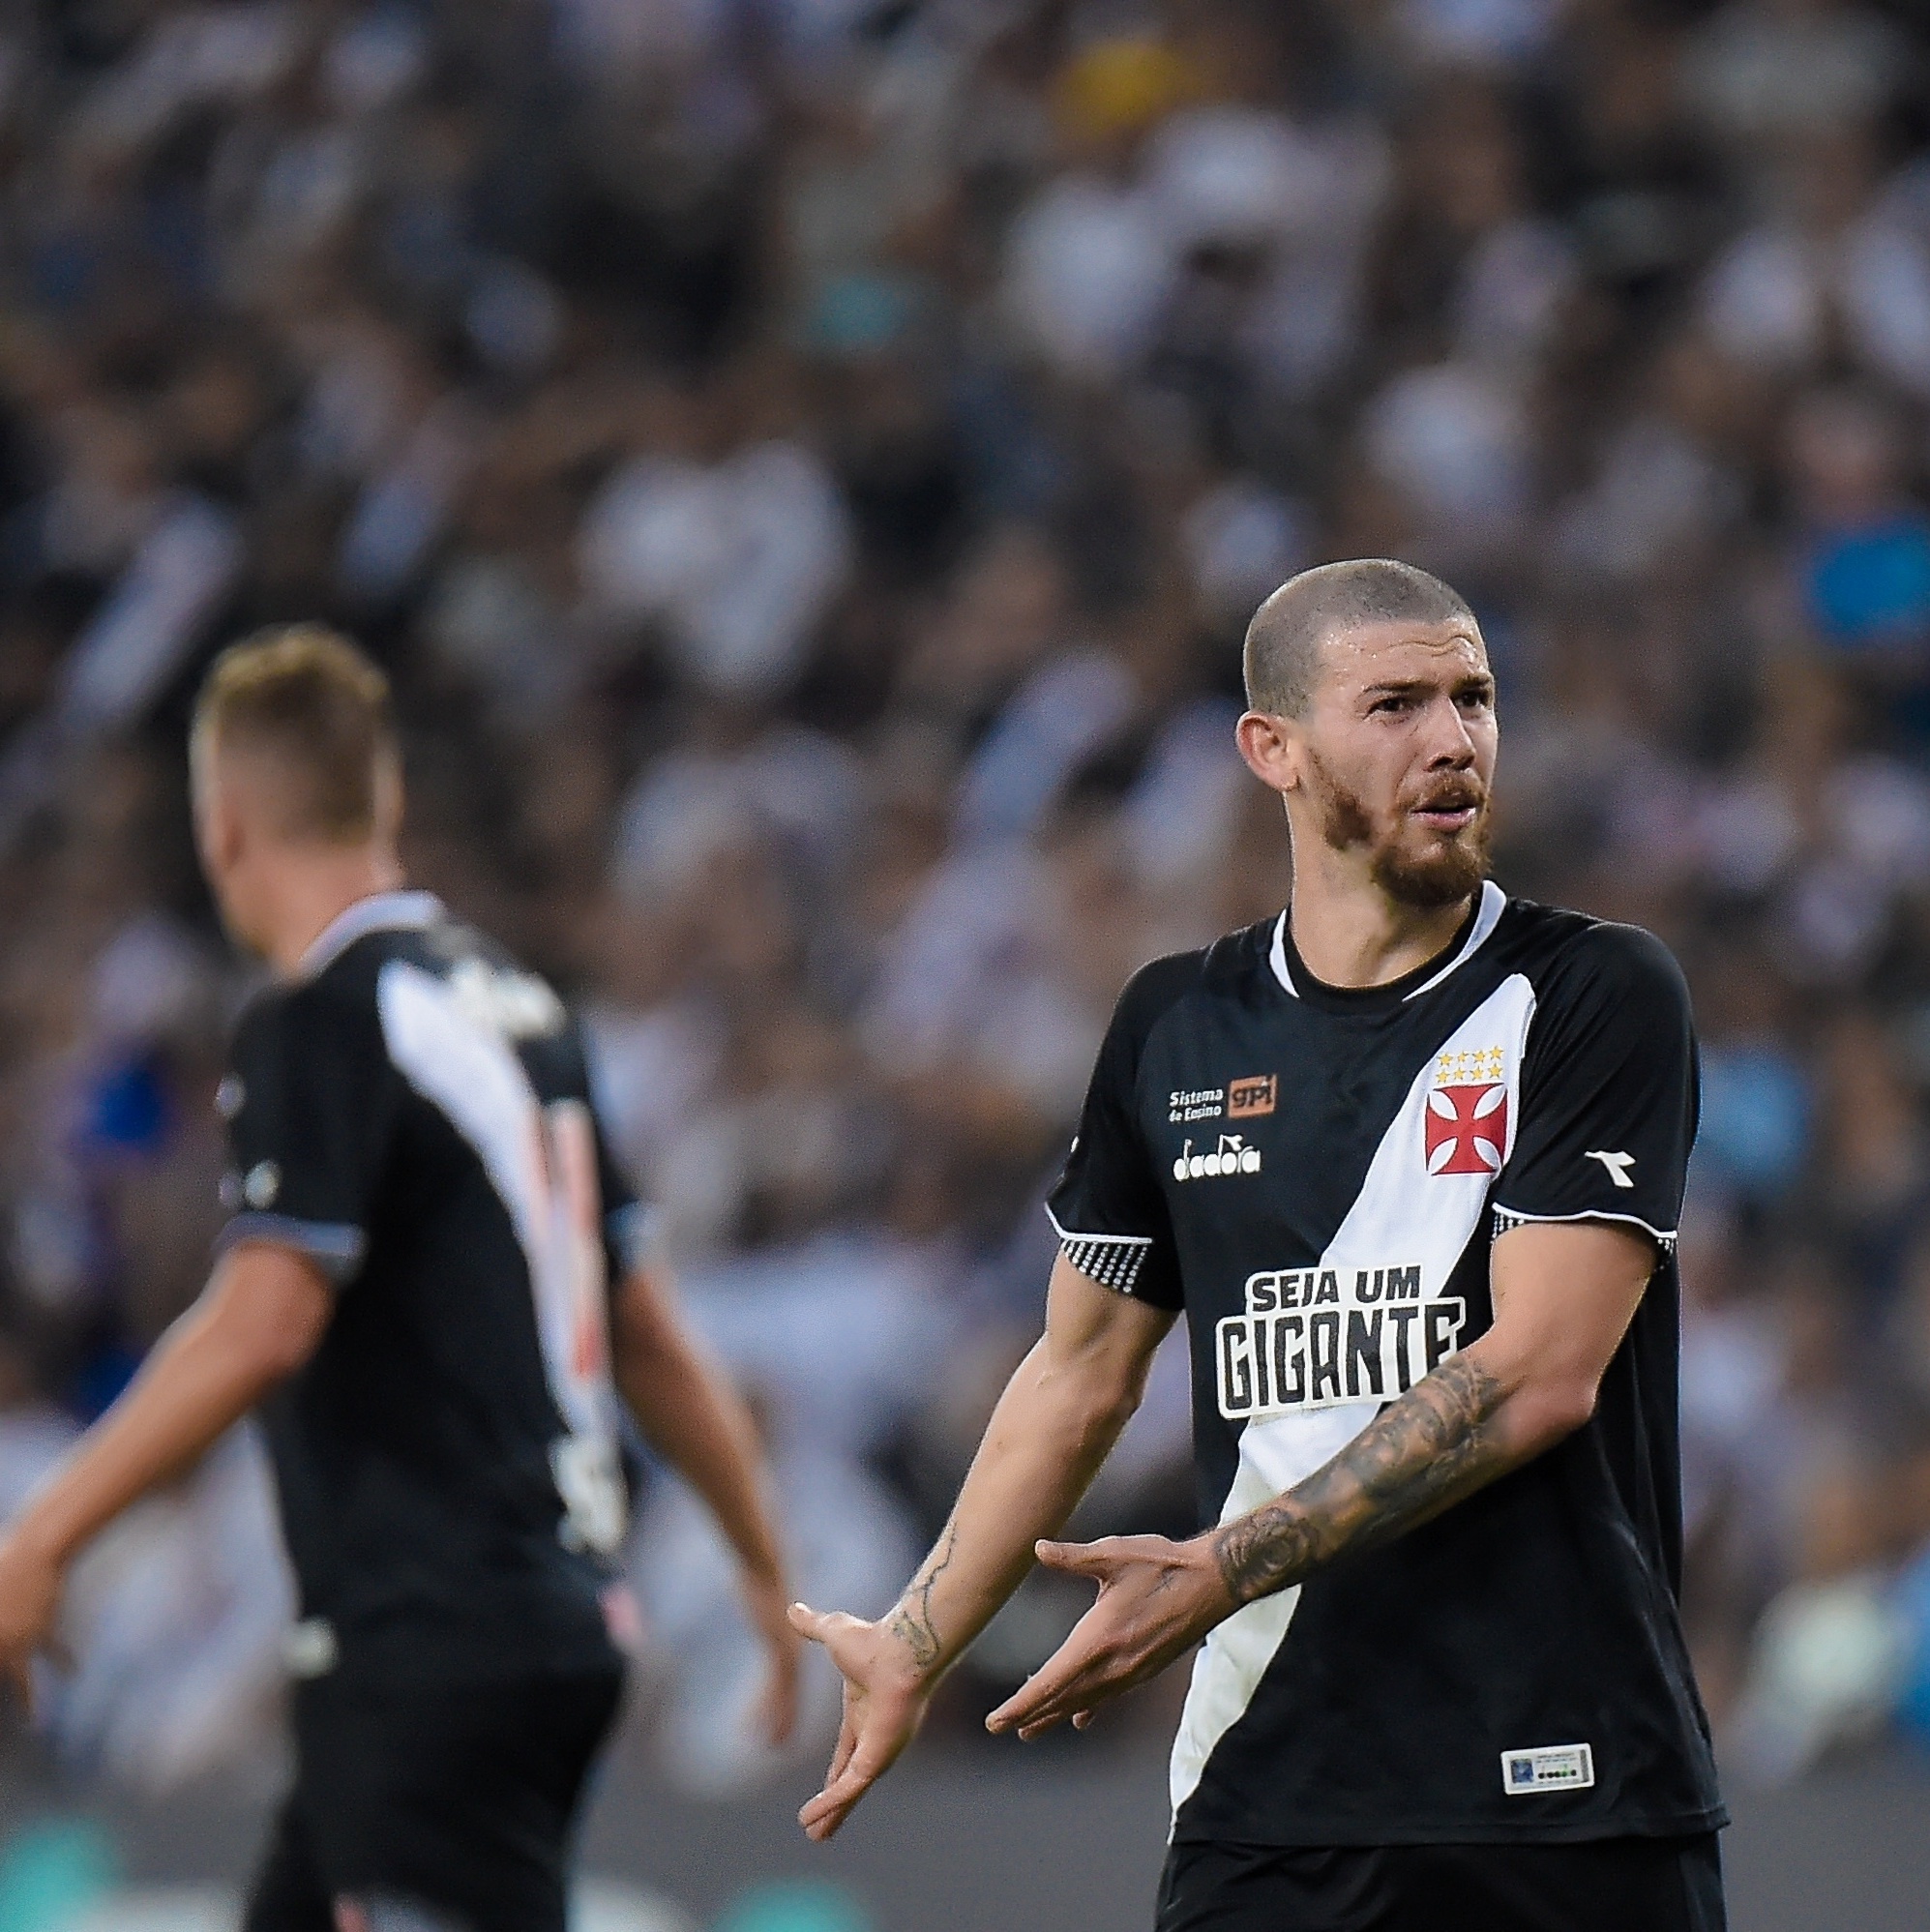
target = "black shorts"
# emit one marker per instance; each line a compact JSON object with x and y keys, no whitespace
{"x":1607,"y":1885}
{"x":445,"y":1809}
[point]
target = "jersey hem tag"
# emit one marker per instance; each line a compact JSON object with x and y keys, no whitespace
{"x":1547,"y":1767}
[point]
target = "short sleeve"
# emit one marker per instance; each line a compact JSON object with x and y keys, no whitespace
{"x":1108,"y":1206}
{"x":1608,"y":1092}
{"x":310,"y":1101}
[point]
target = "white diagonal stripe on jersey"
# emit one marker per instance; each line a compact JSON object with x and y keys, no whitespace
{"x":474,"y":1078}
{"x":1402,"y":1212}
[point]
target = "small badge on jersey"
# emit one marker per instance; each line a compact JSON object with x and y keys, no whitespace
{"x":1547,"y":1767}
{"x":1464,"y":1129}
{"x":1255,"y":1094}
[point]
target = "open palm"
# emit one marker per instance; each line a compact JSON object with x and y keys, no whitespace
{"x":885,"y":1698}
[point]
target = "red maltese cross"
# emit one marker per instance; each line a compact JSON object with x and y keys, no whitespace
{"x":1466,"y":1128}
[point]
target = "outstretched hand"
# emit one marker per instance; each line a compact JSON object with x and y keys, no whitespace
{"x":885,"y":1696}
{"x":30,"y":1585}
{"x":1156,"y":1601}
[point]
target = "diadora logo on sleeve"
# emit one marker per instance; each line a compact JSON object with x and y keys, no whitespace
{"x":1464,"y":1129}
{"x":1231,"y":1156}
{"x":1314,"y":1338}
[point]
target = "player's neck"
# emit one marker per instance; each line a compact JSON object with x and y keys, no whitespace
{"x":312,"y":887}
{"x":1350,"y":933}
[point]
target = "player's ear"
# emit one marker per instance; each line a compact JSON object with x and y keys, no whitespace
{"x":1273,"y":749}
{"x":217,"y":828}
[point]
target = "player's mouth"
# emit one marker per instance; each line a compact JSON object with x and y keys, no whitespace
{"x":1449,"y":812}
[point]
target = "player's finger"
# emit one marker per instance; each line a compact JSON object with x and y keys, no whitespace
{"x":1089,"y":1560}
{"x":824,"y":1813}
{"x":832,"y":1805}
{"x":1071,"y":1702}
{"x":847,"y":1745}
{"x":1104,"y":1676}
{"x":841,"y":1634}
{"x":828,"y":1816}
{"x":1086,"y":1669}
{"x":868,"y":1762}
{"x":1041,"y":1688}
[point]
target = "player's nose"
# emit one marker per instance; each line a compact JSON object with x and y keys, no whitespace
{"x":1449,"y":743}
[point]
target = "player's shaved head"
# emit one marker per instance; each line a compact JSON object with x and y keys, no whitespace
{"x":305,"y":717}
{"x":1290,"y":630}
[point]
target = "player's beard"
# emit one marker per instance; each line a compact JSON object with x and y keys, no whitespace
{"x":1451,"y":869}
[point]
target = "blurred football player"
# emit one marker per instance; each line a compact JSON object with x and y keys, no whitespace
{"x":436,"y":1287}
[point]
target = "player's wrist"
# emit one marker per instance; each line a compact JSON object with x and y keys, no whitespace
{"x":35,"y":1539}
{"x":914,"y":1657}
{"x":763,"y":1579}
{"x":1207,"y":1556}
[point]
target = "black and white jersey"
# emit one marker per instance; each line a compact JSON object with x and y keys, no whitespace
{"x":413,"y":1112}
{"x":1316,"y":1176}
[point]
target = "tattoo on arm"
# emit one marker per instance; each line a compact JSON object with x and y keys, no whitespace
{"x":911,"y":1621}
{"x":1434,"y":1444}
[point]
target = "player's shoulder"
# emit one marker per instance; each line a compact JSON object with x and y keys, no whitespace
{"x":1220,"y":970}
{"x":339,"y":995}
{"x":1575,"y":955}
{"x":316,"y":1030}
{"x":484,"y":987}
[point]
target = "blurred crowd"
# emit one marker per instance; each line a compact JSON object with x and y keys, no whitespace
{"x":807,"y":465}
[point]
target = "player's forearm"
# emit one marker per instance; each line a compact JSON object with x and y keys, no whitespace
{"x":698,"y":1422}
{"x":1471,"y":1421}
{"x":203,"y":1375}
{"x":1053,"y":1428}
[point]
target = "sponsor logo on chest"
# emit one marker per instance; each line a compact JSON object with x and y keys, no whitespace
{"x":1314,"y":1338}
{"x":1247,"y":1098}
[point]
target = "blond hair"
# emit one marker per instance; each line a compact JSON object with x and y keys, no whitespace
{"x":304,"y":701}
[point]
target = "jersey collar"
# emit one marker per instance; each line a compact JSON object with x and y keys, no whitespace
{"x":379,"y":912}
{"x":1487,"y":916}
